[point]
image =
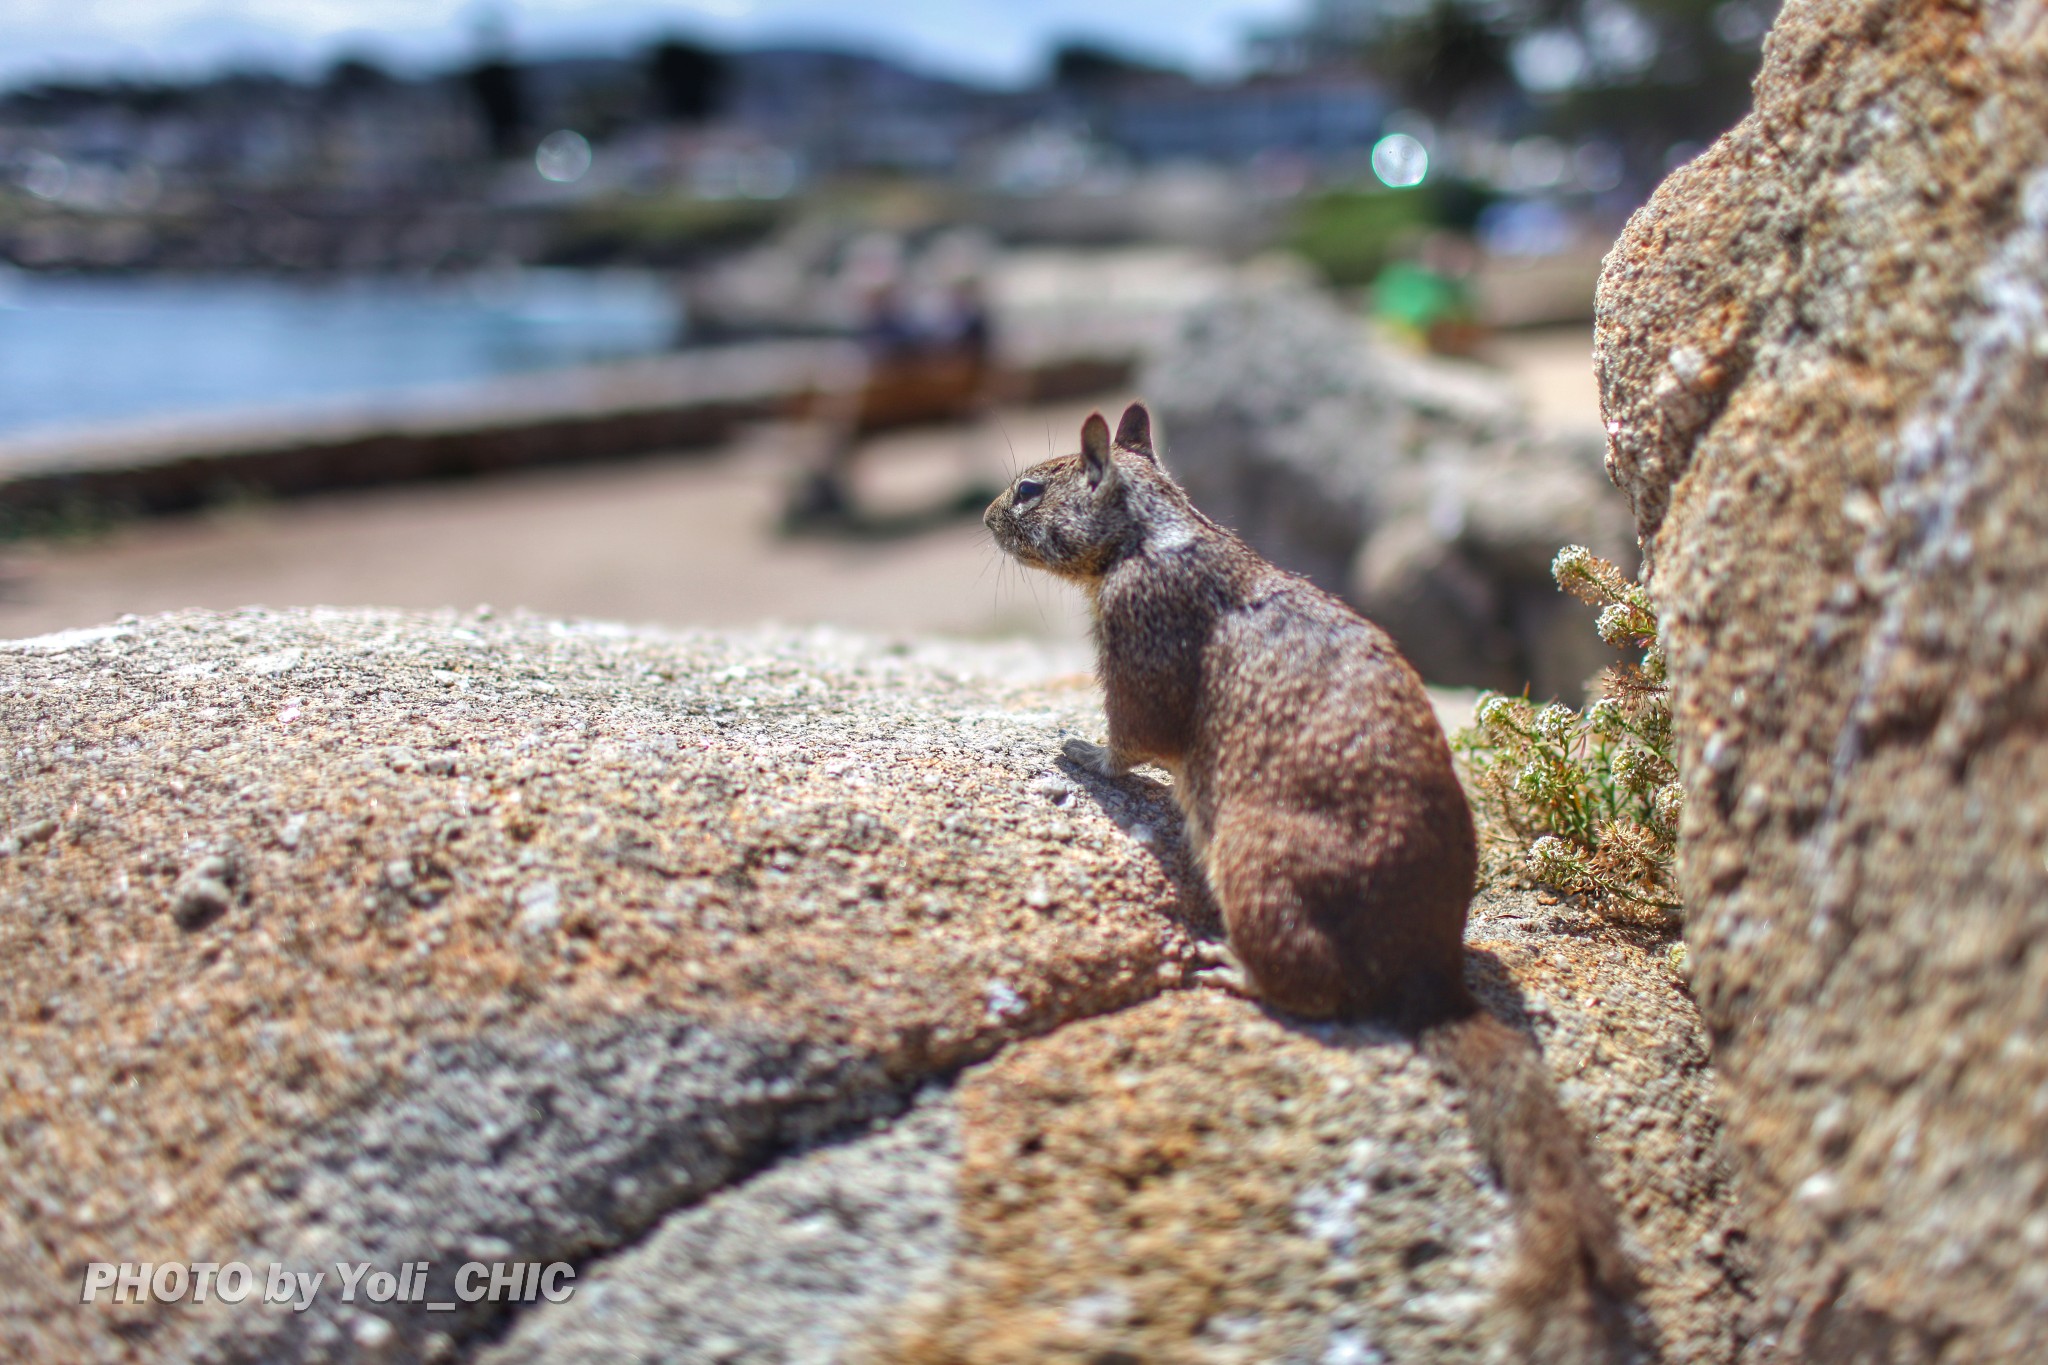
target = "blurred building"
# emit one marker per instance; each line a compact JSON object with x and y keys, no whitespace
{"x":367,"y":169}
{"x":844,"y":110}
{"x":1318,"y":116}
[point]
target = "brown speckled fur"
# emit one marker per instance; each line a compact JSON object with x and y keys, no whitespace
{"x":1324,"y":811}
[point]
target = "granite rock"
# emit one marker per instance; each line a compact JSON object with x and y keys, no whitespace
{"x":1419,"y":489}
{"x":786,"y":986}
{"x":534,"y":932}
{"x":1823,"y":358}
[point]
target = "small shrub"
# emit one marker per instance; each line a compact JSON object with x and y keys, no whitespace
{"x":1589,"y":800}
{"x":1351,"y":235}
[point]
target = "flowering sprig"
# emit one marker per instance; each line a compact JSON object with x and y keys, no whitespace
{"x":1591,"y":801}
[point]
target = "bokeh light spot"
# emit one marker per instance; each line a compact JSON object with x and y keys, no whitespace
{"x":1400,"y":161}
{"x":563,"y":156}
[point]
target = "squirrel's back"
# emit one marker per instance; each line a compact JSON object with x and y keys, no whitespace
{"x":1324,"y":808}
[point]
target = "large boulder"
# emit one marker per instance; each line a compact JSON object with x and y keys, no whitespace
{"x":1823,"y":357}
{"x":786,"y":985}
{"x":1419,"y":489}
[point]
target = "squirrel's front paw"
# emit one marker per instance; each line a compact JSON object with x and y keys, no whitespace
{"x":1221,"y":970}
{"x":1229,"y":978}
{"x":1096,"y":758}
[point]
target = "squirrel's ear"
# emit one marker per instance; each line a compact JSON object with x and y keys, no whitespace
{"x":1134,"y":432}
{"x":1095,"y":458}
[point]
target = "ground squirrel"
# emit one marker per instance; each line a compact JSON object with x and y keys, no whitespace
{"x":1325,"y":815}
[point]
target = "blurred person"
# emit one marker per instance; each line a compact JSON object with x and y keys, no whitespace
{"x":1428,"y":299}
{"x":924,"y":359}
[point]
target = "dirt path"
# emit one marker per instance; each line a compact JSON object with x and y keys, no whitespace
{"x":1553,"y":368}
{"x":682,"y":540}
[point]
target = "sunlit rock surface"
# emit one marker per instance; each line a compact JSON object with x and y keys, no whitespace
{"x":787,"y":985}
{"x":1823,"y":353}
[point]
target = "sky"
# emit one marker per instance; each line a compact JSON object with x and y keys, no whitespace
{"x":1003,"y":41}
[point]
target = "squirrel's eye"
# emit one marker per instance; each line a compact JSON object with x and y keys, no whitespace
{"x":1027,"y":489}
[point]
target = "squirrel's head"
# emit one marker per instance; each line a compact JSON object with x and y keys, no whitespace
{"x":1076,"y":515}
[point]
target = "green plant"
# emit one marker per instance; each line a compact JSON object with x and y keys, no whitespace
{"x":660,"y":229}
{"x":1351,"y":235}
{"x":1589,"y":800}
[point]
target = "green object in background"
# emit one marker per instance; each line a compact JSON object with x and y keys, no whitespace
{"x":1416,"y":298}
{"x":1351,"y":235}
{"x":672,"y":229}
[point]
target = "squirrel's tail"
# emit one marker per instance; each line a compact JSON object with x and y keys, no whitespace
{"x":1570,"y":1288}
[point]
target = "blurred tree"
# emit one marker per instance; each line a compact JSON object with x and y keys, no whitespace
{"x":689,"y":82}
{"x":1447,"y":58}
{"x":1086,"y":67}
{"x":1660,"y":76}
{"x":496,"y":86}
{"x":354,"y":74}
{"x":494,"y":83}
{"x":1648,"y":75}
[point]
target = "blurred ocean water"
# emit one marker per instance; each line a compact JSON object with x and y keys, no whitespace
{"x":81,"y":351}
